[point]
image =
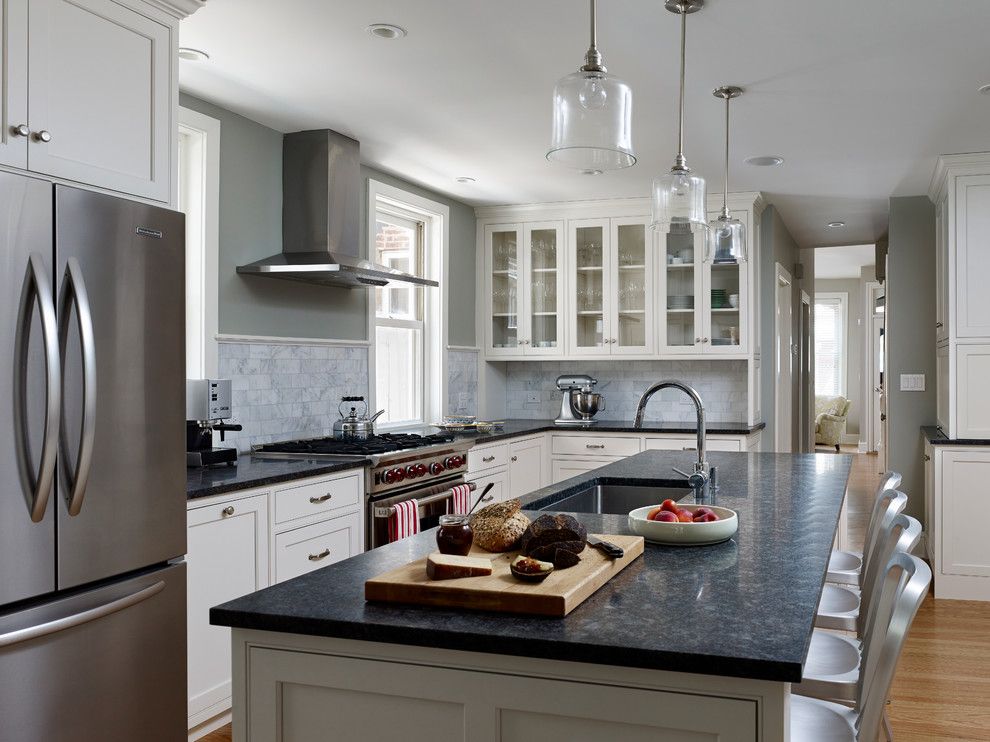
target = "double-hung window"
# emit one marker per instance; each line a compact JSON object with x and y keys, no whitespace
{"x":409,"y":233}
{"x":830,"y":344}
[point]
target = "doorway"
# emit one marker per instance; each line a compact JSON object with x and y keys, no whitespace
{"x":807,"y":402}
{"x":783,"y":361}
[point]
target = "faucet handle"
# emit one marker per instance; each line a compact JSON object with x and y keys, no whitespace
{"x":681,"y":472}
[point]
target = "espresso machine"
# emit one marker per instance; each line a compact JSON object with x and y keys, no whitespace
{"x":580,"y":403}
{"x":207,"y":406}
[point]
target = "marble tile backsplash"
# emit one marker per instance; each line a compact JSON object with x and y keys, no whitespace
{"x":282,"y":391}
{"x":462,"y":382}
{"x":722,"y":385}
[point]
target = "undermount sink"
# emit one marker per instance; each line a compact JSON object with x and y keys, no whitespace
{"x":619,"y":499}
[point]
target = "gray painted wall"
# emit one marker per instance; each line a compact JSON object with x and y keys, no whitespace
{"x":778,"y":246}
{"x":910,"y":306}
{"x":251,"y":229}
{"x":855,"y":327}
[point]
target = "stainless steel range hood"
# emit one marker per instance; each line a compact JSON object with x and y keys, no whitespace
{"x":321,"y":192}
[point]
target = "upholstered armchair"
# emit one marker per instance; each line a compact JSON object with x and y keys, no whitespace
{"x":830,"y":420}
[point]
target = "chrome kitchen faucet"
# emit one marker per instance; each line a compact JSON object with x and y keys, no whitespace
{"x":702,"y":476}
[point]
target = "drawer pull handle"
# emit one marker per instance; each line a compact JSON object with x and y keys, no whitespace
{"x":487,"y":459}
{"x":317,"y":557}
{"x":488,"y":498}
{"x":321,"y":498}
{"x":595,"y":445}
{"x":229,"y":510}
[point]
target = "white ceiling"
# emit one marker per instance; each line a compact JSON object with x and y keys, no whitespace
{"x":843,"y":262}
{"x":859,"y":97}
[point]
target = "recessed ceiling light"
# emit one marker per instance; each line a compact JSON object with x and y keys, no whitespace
{"x":765,"y":160}
{"x":836,"y":225}
{"x":464,"y":179}
{"x":386,"y":31}
{"x":985,"y":89}
{"x":193,"y":55}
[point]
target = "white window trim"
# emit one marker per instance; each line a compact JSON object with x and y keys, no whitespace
{"x":205,"y":130}
{"x":434,"y":300}
{"x":843,"y":299}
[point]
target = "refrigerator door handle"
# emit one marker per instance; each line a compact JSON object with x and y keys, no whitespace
{"x":77,"y":619}
{"x":74,"y":289}
{"x":37,"y":488}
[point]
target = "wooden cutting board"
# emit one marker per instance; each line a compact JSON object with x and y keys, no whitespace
{"x":559,"y":594}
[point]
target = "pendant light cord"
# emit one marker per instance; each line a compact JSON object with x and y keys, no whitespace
{"x":593,"y":59}
{"x":594,"y":24}
{"x":679,"y":161}
{"x":725,"y":184}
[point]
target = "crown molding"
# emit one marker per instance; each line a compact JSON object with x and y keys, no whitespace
{"x":177,"y":8}
{"x":972,"y":163}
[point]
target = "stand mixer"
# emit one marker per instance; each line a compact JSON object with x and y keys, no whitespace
{"x":580,"y":402}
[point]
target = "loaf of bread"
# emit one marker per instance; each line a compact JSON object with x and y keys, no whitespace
{"x":555,"y":538}
{"x":499,"y":527}
{"x":452,"y":566}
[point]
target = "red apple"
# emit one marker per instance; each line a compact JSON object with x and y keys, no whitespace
{"x":665,"y":516}
{"x":670,"y":506}
{"x":685,"y":516}
{"x":652,"y":515}
{"x":708,"y":517}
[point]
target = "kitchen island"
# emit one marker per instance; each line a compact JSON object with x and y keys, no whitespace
{"x":685,"y":643}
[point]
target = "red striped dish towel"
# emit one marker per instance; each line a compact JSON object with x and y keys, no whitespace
{"x":460,"y":499}
{"x":404,"y":520}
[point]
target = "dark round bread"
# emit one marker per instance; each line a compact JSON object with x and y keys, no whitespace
{"x":554,"y":529}
{"x":547,"y":552}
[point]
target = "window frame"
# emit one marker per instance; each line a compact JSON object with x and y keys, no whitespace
{"x":203,"y":133}
{"x":841,"y":298}
{"x":436,"y":244}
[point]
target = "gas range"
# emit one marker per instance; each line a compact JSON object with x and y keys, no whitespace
{"x":398,"y":460}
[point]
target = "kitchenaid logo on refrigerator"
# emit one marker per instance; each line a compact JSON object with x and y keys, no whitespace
{"x":148,"y":232}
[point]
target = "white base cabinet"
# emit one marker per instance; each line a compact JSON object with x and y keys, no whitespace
{"x":957,"y":508}
{"x":515,"y":467}
{"x":245,"y":541}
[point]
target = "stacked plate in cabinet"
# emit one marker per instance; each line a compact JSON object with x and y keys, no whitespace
{"x":680,"y":302}
{"x":720,"y":299}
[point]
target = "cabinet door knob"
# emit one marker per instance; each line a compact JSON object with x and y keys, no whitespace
{"x":613,"y":341}
{"x":697,"y":340}
{"x":321,"y":498}
{"x":514,"y":458}
{"x":938,"y":324}
{"x":317,"y":557}
{"x":927,"y":457}
{"x":43,"y":136}
{"x":21,"y":130}
{"x":227,"y":511}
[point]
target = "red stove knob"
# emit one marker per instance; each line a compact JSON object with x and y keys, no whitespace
{"x":421,"y":470}
{"x":436,"y":468}
{"x":389,"y":476}
{"x":452,"y":462}
{"x":400,"y":474}
{"x":412,"y":471}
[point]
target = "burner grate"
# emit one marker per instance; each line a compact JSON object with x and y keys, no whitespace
{"x":378,"y":444}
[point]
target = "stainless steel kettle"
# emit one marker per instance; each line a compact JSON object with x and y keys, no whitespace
{"x":356,"y":425}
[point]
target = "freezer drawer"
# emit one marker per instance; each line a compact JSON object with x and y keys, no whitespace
{"x":104,"y":664}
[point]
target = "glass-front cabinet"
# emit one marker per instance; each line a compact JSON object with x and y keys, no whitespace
{"x":705,"y":303}
{"x":524,"y":280}
{"x":611,"y":287}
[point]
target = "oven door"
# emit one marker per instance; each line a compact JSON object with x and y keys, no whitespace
{"x":434,"y":499}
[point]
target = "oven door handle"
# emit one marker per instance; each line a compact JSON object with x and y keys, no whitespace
{"x":386,"y":511}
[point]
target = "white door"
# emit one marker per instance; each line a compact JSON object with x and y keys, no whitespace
{"x":503,"y":268}
{"x":542,"y":289}
{"x":14,"y":125}
{"x":784,"y":360}
{"x":526,"y":467}
{"x":590,"y":286}
{"x":100,"y":80}
{"x":632,"y":247}
{"x":228,"y":558}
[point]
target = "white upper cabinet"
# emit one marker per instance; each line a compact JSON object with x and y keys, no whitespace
{"x":99,"y":96}
{"x":614,"y":287}
{"x":90,"y":90}
{"x":960,"y":190}
{"x":13,"y":84}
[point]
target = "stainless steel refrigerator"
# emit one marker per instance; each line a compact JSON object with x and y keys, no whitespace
{"x":92,"y":472}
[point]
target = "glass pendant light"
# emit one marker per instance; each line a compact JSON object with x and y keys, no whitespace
{"x":679,"y":198}
{"x":726,"y":236}
{"x":592,"y":116}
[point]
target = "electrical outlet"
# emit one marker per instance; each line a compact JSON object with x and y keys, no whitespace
{"x":532,"y":401}
{"x":462,"y":400}
{"x":912,"y":382}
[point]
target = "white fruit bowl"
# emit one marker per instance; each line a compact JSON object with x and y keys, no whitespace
{"x":685,"y":534}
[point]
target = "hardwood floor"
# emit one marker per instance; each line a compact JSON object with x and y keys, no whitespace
{"x":942,"y":688}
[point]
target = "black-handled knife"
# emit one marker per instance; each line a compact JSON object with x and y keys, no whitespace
{"x":610,"y":549}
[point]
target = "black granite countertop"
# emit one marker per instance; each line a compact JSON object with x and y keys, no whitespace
{"x":937,"y":438}
{"x":519,"y":427}
{"x":742,"y":608}
{"x":257,"y":472}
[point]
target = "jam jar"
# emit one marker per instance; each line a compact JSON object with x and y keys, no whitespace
{"x":455,"y":535}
